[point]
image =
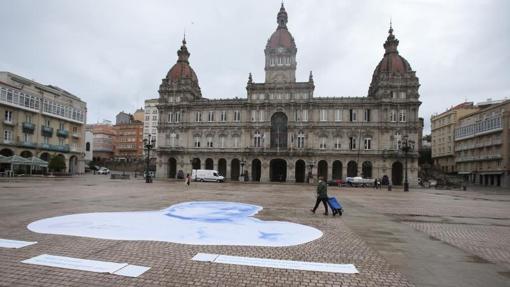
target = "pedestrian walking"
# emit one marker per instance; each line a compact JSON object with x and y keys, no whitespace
{"x":188,"y":180}
{"x":322,"y":195}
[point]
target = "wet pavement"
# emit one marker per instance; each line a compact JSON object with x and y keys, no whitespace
{"x":420,"y":238}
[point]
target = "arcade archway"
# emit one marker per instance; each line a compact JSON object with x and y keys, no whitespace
{"x":278,"y":170}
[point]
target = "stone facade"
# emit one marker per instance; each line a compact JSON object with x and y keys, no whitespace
{"x":443,"y":130}
{"x":482,"y":146}
{"x":281,"y":131}
{"x":41,"y":121}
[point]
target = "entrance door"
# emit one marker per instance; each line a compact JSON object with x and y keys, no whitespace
{"x":300,"y":171}
{"x":396,"y":173}
{"x":209,"y":164}
{"x":278,"y":170}
{"x":172,"y":167}
{"x":337,"y":169}
{"x":255,"y":170}
{"x":322,"y":169}
{"x":222,"y":167}
{"x":234,"y":169}
{"x":352,"y":169}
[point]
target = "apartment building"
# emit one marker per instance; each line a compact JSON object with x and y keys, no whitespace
{"x":128,"y":139}
{"x":482,"y":145}
{"x":41,"y":121}
{"x":103,"y":137}
{"x":443,"y":128}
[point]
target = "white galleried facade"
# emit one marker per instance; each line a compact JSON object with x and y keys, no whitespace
{"x":41,"y":121}
{"x":150,"y":120}
{"x":281,"y":131}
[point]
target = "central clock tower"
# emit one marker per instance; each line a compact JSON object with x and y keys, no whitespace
{"x":281,"y":53}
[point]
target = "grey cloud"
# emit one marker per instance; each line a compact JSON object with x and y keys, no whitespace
{"x":113,"y":54}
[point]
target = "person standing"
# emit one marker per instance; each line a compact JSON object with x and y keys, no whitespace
{"x":322,"y":195}
{"x":188,"y":180}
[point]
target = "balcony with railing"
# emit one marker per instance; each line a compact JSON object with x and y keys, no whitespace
{"x":51,"y":147}
{"x":46,"y":131}
{"x":27,"y":144}
{"x":76,"y":135}
{"x":28,"y":128}
{"x":62,"y":133}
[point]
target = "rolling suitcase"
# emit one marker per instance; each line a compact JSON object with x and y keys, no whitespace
{"x":335,"y":206}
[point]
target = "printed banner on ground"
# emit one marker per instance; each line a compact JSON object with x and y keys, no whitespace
{"x":275,"y":263}
{"x":123,"y":269}
{"x":8,"y":243}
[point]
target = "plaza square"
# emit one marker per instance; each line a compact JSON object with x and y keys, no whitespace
{"x":426,"y":237}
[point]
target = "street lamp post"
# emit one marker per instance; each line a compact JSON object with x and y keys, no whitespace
{"x":191,"y":164}
{"x":148,"y":144}
{"x":407,"y":146}
{"x":242,"y":168}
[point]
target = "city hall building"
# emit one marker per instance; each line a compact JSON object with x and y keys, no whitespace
{"x":281,"y":131}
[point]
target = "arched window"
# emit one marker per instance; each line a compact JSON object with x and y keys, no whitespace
{"x":87,"y":146}
{"x":279,"y":130}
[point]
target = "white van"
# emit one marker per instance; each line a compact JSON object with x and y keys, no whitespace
{"x":206,"y":175}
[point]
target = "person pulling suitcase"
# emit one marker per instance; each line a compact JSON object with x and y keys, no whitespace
{"x":322,"y":195}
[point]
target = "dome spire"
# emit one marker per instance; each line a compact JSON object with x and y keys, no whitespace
{"x":183,"y":51}
{"x":282,"y":18}
{"x":390,"y":46}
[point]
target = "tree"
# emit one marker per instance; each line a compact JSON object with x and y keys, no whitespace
{"x":57,"y":163}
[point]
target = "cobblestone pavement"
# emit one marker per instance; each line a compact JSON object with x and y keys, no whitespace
{"x":475,"y":221}
{"x":457,"y":218}
{"x":24,"y":201}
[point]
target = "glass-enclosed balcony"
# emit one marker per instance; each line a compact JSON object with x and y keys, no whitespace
{"x":47,"y":131}
{"x":28,"y":128}
{"x":62,"y":133}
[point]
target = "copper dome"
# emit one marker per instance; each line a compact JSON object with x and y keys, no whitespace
{"x":182,"y":69}
{"x":281,"y":38}
{"x":392,"y":62}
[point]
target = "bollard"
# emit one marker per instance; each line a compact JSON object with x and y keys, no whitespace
{"x":389,"y":187}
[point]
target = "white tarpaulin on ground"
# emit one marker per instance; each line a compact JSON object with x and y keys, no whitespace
{"x":8,"y":243}
{"x":123,"y":269}
{"x":198,"y":222}
{"x":275,"y":263}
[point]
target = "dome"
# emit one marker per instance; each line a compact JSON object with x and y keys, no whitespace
{"x":182,"y":69}
{"x":392,"y":62}
{"x":281,"y":38}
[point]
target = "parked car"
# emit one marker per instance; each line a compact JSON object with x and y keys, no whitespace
{"x":336,"y":182}
{"x":359,"y":181}
{"x":103,"y":170}
{"x":206,"y":175}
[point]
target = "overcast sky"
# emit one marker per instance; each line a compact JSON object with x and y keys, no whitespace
{"x":113,"y":54}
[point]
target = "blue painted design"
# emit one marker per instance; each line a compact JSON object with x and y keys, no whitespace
{"x":212,"y":211}
{"x":269,"y":236}
{"x":198,"y":222}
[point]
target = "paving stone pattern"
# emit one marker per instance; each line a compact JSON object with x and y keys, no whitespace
{"x":25,"y":200}
{"x":477,"y":222}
